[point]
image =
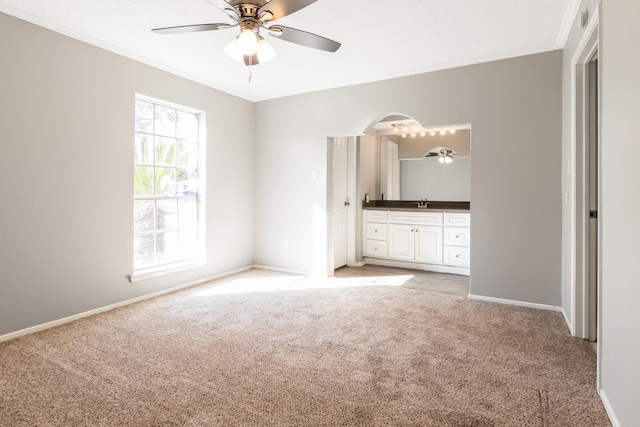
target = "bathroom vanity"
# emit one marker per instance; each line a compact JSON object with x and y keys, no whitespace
{"x":421,"y":238}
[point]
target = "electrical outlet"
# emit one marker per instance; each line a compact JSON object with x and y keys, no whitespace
{"x":285,"y":243}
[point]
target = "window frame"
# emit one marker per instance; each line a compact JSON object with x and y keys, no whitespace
{"x":200,"y":257}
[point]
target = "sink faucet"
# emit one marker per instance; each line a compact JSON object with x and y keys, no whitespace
{"x":422,"y":203}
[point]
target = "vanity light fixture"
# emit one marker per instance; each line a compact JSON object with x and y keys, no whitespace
{"x":414,"y":128}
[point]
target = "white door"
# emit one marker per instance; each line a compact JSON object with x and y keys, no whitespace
{"x":340,"y":201}
{"x":401,"y":241}
{"x":428,"y":244}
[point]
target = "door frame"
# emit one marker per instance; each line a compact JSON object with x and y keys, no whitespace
{"x":587,"y":51}
{"x":352,"y":197}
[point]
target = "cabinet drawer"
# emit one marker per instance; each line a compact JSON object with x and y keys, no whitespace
{"x":457,"y":219}
{"x":376,"y":248}
{"x":415,"y":218}
{"x":375,"y":216}
{"x":376,"y":231}
{"x":457,"y":255}
{"x":457,"y":236}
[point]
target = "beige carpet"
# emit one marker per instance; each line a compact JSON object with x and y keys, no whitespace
{"x":223,"y":354}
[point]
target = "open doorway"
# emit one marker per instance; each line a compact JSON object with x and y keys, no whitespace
{"x":421,"y":176}
{"x":586,"y":207}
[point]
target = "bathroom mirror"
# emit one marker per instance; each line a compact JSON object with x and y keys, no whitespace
{"x":406,"y":174}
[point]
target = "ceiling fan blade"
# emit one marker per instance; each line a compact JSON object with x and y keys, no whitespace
{"x":191,"y":28}
{"x":303,"y":38}
{"x":281,"y":8}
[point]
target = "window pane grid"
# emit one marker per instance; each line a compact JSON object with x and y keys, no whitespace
{"x":166,"y":202}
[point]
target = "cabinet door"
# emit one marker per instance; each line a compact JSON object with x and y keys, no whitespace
{"x":401,"y":241}
{"x":428,"y":244}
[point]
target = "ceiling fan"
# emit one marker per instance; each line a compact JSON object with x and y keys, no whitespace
{"x":445,"y":155}
{"x":251,"y":16}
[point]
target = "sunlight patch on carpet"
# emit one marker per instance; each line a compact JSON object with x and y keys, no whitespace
{"x":293,"y":282}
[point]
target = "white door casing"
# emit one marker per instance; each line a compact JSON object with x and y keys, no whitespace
{"x":584,"y":260}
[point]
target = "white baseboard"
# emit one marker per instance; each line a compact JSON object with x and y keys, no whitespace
{"x":515,"y":302}
{"x":464,"y":271}
{"x":281,"y":270}
{"x":567,"y":321}
{"x":357,"y":264}
{"x":53,"y":323}
{"x":609,"y":409}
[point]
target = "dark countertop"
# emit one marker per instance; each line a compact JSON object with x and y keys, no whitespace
{"x":411,"y":205}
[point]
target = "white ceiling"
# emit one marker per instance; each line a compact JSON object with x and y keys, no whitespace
{"x":381,"y":39}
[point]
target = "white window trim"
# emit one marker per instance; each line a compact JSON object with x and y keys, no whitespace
{"x":162,"y":270}
{"x":150,"y":273}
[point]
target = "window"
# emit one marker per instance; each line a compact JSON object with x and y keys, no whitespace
{"x":168,"y":175}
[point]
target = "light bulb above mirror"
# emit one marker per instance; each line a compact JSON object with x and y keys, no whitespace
{"x":414,"y":128}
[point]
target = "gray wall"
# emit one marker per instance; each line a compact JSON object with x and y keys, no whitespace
{"x":66,"y":131}
{"x":620,"y":322}
{"x":514,"y":108}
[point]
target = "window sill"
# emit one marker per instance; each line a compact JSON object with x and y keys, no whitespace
{"x":150,"y":273}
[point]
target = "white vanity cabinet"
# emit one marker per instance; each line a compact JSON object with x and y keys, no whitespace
{"x":457,"y":238}
{"x":415,"y":236}
{"x":428,"y":240}
{"x":375,"y":233}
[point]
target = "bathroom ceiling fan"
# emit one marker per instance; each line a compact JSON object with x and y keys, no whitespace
{"x":251,"y":16}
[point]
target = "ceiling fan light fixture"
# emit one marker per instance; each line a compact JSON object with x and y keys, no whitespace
{"x":248,"y":42}
{"x":233,"y":50}
{"x":265,"y":51}
{"x":445,"y":156}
